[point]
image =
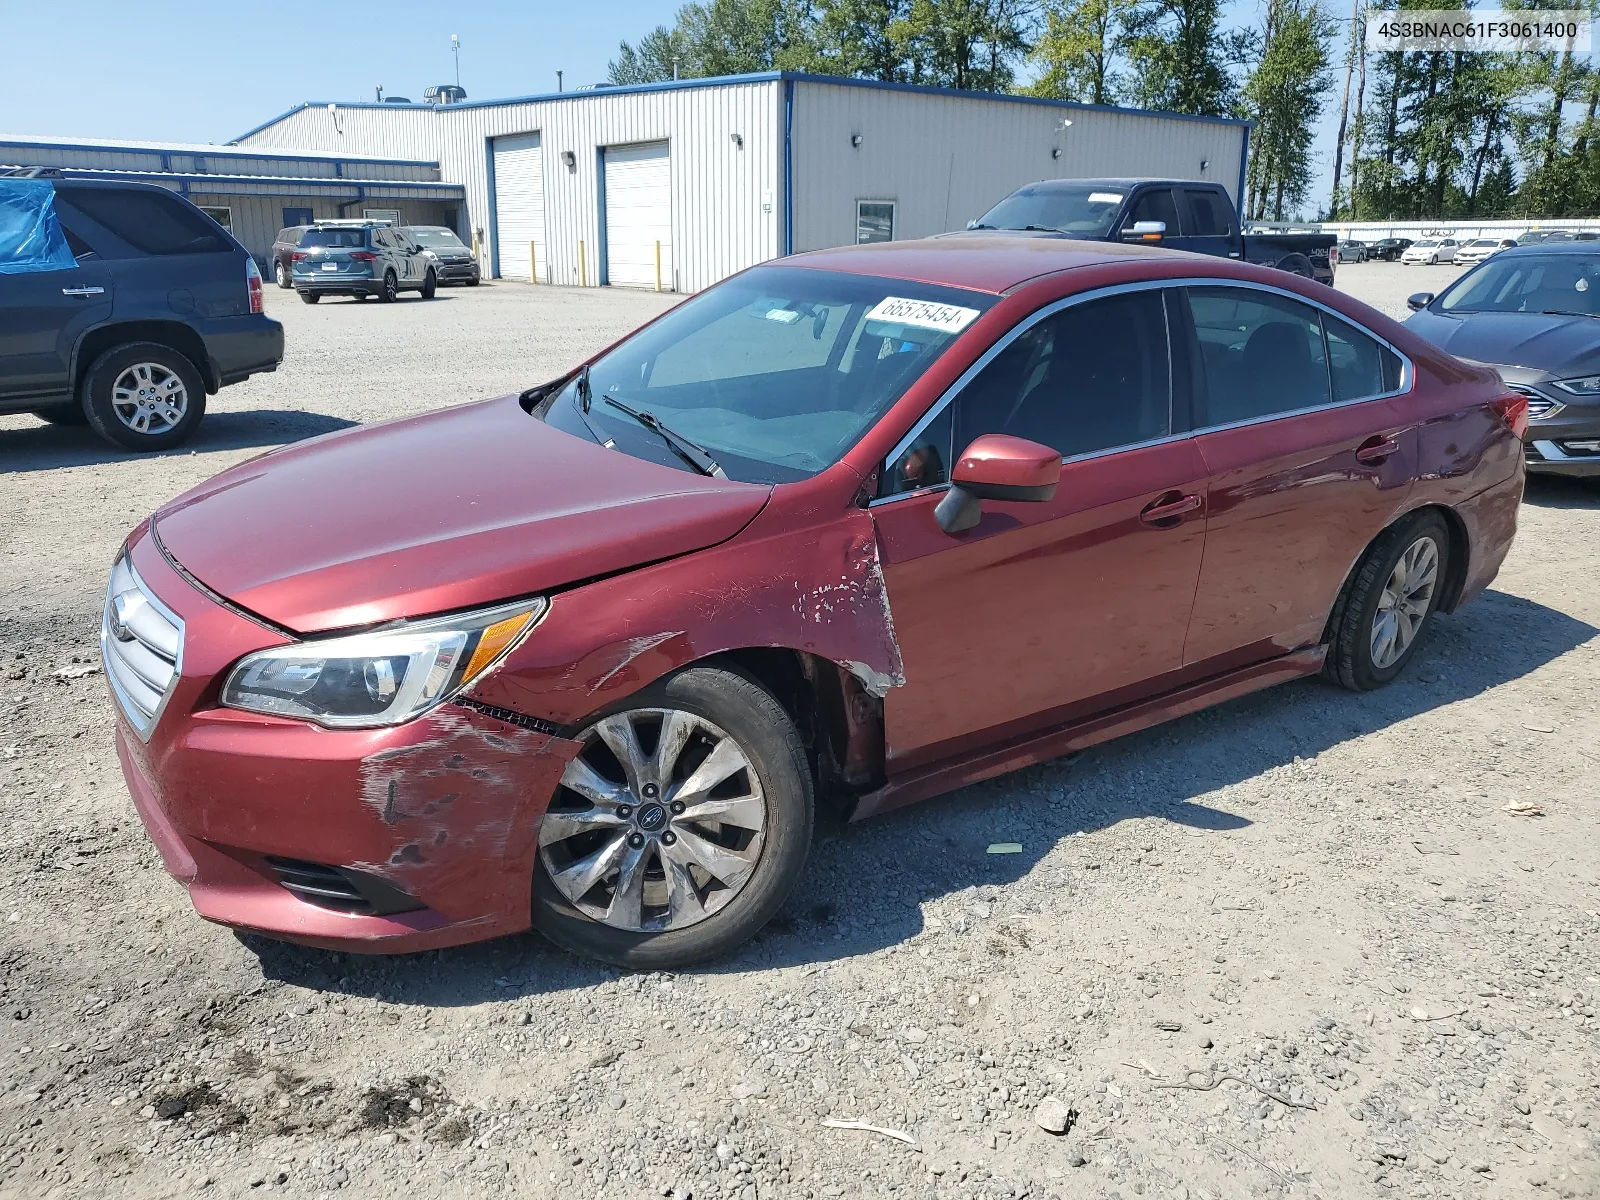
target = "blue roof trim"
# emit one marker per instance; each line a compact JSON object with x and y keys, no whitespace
{"x":227,"y":150}
{"x":671,"y":85}
{"x":299,"y":181}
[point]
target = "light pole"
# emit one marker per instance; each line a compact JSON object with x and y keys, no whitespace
{"x":455,"y":48}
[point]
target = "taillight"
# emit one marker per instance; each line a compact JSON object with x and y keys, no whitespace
{"x":1333,"y":256}
{"x":252,"y":284}
{"x":1512,"y":408}
{"x":363,"y":255}
{"x":298,"y":255}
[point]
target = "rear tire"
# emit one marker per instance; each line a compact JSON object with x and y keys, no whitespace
{"x":144,"y":382}
{"x":1387,"y":605}
{"x":391,"y":288}
{"x":63,"y":414}
{"x":430,"y":285}
{"x":281,"y":272}
{"x":310,"y":297}
{"x":775,"y":766}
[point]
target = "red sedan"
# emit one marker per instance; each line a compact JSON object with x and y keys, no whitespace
{"x":878,"y":521}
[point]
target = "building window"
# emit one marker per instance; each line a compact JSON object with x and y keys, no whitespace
{"x":391,"y":215}
{"x":222,"y":216}
{"x":296,"y":216}
{"x":874,"y":221}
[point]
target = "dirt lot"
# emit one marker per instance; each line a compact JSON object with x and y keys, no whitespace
{"x":1294,"y":946}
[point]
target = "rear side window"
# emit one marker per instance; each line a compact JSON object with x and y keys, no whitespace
{"x":1261,"y":354}
{"x":1360,"y":365}
{"x":152,"y":222}
{"x":1155,"y":205}
{"x":290,"y":236}
{"x":1207,"y":214}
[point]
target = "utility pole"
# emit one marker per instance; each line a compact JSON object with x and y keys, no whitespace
{"x":558,"y":81}
{"x":380,"y":93}
{"x":455,"y":48}
{"x":1344,"y":106}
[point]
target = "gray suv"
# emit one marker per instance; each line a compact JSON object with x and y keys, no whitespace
{"x":360,"y":259}
{"x":456,"y":264}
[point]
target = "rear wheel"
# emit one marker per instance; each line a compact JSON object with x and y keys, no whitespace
{"x":679,"y":829}
{"x":1380,"y":618}
{"x":390,"y":289}
{"x":430,"y":285}
{"x":310,"y":297}
{"x":281,"y":273}
{"x":144,"y":396}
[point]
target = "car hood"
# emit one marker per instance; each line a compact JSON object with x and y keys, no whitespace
{"x":1563,"y":346}
{"x":458,"y":508}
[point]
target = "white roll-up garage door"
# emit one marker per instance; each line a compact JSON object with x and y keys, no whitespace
{"x":519,"y":207}
{"x":638,"y":215}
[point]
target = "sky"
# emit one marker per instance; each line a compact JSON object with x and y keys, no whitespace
{"x":189,"y":71}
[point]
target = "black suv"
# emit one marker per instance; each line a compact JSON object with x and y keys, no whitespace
{"x":162,"y":308}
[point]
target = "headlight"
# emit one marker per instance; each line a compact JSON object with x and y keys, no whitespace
{"x":387,"y":677}
{"x":1588,"y":385}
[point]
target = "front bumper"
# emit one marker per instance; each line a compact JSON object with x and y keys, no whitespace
{"x":1547,"y":456}
{"x":457,"y":272}
{"x":444,"y":809}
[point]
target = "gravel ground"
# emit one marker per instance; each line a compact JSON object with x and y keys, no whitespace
{"x":1293,"y":946}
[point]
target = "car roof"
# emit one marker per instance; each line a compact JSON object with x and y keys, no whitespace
{"x":1589,"y":248}
{"x":981,"y":264}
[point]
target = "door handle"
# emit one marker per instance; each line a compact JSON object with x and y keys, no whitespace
{"x":83,"y":291}
{"x":1376,"y":449}
{"x":1164,"y":513}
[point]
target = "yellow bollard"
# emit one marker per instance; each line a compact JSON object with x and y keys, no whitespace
{"x":533,"y":264}
{"x":583,"y":272}
{"x":658,"y":266}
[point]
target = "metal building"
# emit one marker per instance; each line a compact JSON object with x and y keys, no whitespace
{"x":254,"y":193}
{"x":677,"y":185}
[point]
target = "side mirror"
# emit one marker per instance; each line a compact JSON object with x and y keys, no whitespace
{"x":997,"y":467}
{"x":1145,"y":231}
{"x":1419,"y":300}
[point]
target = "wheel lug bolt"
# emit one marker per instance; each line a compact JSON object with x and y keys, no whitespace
{"x":624,"y":811}
{"x":636,"y":840}
{"x":650,"y":791}
{"x":668,"y":838}
{"x":677,"y":808}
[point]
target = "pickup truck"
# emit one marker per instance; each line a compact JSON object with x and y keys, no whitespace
{"x":1179,"y":214}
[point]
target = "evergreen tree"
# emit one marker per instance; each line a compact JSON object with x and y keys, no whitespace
{"x":1285,"y":96}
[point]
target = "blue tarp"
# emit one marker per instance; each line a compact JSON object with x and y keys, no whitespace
{"x":30,"y":236}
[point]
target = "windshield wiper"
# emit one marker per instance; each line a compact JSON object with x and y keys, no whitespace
{"x":691,"y":452}
{"x":1041,"y":229}
{"x":1564,"y":312}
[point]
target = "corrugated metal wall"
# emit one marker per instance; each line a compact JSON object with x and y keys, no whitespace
{"x":947,"y":159}
{"x":727,"y":202}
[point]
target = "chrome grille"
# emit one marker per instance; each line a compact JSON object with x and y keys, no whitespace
{"x":141,"y":644}
{"x":1539,"y":405}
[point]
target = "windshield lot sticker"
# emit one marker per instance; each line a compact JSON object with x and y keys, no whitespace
{"x":924,"y":314}
{"x":1105,"y":198}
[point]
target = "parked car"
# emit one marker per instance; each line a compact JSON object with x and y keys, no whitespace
{"x":453,"y":256}
{"x":360,"y":259}
{"x":1478,"y":249}
{"x":283,"y":248}
{"x":877,"y":521}
{"x":151,"y":307}
{"x":1177,"y":214}
{"x":1352,"y":252}
{"x":1388,"y":249}
{"x":1531,"y":313}
{"x":1539,"y":237}
{"x":1430,"y":251}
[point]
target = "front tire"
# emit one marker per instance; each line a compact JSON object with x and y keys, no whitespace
{"x":144,"y":396}
{"x":1381,"y":616}
{"x":430,"y":285}
{"x":680,"y":828}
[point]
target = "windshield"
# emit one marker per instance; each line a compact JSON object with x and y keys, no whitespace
{"x":340,"y":239}
{"x":1483,"y":243}
{"x":1423,"y":245}
{"x":439,"y":239}
{"x":1535,"y":283}
{"x":1087,"y":210}
{"x":776,"y":372}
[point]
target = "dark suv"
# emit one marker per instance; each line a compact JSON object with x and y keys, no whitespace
{"x":283,"y":248}
{"x":161,"y":308}
{"x":360,"y":259}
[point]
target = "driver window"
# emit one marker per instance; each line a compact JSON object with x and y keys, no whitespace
{"x":1155,"y":205}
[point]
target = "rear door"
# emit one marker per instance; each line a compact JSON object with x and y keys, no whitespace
{"x":42,"y":316}
{"x":1309,"y":457}
{"x":1208,"y":223}
{"x":1045,"y":612}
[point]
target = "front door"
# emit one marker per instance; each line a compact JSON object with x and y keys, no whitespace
{"x":1045,"y":611}
{"x":1308,"y":462}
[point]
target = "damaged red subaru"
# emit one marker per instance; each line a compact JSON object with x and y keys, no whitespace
{"x":874,"y":522}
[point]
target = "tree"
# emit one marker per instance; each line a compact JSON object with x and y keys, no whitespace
{"x":1179,"y":59}
{"x":1285,"y":95}
{"x":862,"y":38}
{"x":1352,"y":52}
{"x":721,"y":37}
{"x":1077,"y":52}
{"x":975,"y":45}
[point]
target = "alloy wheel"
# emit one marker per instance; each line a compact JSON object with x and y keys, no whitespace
{"x":658,"y":822}
{"x":1405,"y":602}
{"x":149,"y":398}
